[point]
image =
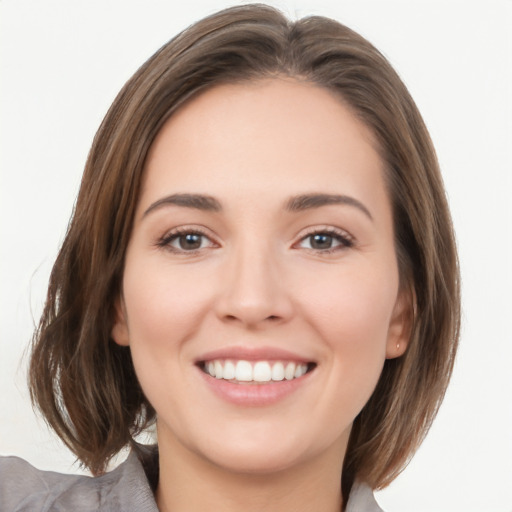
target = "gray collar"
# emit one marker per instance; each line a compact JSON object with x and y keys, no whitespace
{"x":361,"y":497}
{"x":128,"y":488}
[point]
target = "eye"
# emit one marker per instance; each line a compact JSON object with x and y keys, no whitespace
{"x":181,"y":241}
{"x":188,"y":242}
{"x":326,"y":241}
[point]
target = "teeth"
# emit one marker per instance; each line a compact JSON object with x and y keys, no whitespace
{"x":300,"y":371}
{"x":260,"y":371}
{"x":229,"y":371}
{"x":289,"y":372}
{"x":243,"y":371}
{"x":278,"y":371}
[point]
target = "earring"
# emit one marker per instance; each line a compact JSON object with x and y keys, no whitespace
{"x":398,"y":346}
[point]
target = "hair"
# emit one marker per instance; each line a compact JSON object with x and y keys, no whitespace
{"x":85,"y":384}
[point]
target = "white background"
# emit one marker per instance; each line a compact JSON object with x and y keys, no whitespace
{"x":62,"y":63}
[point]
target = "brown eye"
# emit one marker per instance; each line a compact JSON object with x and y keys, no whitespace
{"x":321,"y":241}
{"x":186,"y":241}
{"x":190,"y":241}
{"x":325,"y":241}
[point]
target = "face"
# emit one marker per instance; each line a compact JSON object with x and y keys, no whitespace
{"x":260,"y":295}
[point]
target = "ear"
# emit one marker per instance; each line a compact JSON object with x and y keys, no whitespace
{"x":119,"y":331}
{"x":401,"y":324}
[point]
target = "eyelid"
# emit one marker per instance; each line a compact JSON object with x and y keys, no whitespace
{"x":170,"y":235}
{"x":347,"y":240}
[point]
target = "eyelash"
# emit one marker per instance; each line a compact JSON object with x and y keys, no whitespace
{"x":175,"y":234}
{"x":344,"y":239}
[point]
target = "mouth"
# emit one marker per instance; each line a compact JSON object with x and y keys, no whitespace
{"x":241,"y":371}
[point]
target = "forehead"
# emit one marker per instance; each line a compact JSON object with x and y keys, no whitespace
{"x":266,"y":136}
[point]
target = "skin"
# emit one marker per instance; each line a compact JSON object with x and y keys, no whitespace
{"x":258,"y":279}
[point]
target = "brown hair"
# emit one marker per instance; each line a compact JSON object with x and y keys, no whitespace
{"x":85,"y":384}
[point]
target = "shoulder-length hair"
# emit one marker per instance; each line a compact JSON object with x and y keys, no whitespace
{"x":85,"y":384}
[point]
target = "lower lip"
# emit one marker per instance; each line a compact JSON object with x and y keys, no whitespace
{"x":252,"y":394}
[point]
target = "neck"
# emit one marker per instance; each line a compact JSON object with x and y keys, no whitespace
{"x":189,"y":483}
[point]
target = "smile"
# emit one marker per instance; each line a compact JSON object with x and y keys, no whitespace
{"x":243,"y":371}
{"x":255,"y":377}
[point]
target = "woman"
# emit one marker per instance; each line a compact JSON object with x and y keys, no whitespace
{"x":261,"y":258}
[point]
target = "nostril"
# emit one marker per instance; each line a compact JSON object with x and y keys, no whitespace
{"x":272,"y":318}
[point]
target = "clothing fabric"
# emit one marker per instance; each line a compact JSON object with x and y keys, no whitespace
{"x":128,"y":488}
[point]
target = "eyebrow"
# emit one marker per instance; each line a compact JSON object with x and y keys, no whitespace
{"x":294,"y":204}
{"x":307,"y":201}
{"x":197,"y":201}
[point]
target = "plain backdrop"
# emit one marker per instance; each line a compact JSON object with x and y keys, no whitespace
{"x":62,"y":63}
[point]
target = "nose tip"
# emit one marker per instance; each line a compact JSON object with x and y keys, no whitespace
{"x":251,"y":315}
{"x":253,"y":293}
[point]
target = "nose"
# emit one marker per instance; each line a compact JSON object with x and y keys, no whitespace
{"x":253,"y":291}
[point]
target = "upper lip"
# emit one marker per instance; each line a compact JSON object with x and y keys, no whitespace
{"x":253,"y":354}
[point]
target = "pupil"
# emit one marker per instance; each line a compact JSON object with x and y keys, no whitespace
{"x":190,"y":241}
{"x":321,"y":242}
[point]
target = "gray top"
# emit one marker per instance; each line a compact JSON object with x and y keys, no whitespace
{"x":128,"y":488}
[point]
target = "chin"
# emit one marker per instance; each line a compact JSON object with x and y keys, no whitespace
{"x":268,"y":449}
{"x":255,"y":460}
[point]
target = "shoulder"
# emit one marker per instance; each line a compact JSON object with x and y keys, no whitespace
{"x":25,"y":488}
{"x":361,"y":499}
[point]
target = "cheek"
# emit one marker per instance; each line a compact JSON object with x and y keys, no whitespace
{"x":352,"y":307}
{"x":352,"y":318}
{"x":162,"y":304}
{"x":163,"y":308}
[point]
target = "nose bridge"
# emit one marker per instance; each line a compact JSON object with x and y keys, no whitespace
{"x":252,"y":290}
